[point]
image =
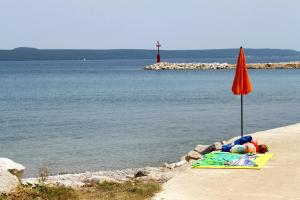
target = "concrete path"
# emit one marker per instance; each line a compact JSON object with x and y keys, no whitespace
{"x":279,"y":179}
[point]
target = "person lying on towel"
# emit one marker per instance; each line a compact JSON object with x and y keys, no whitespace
{"x":245,"y":144}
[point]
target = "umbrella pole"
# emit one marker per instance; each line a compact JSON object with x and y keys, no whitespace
{"x":242,"y":128}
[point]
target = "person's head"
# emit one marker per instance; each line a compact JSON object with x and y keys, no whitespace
{"x":262,"y":148}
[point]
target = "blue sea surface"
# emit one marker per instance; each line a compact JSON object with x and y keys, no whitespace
{"x":96,"y":115}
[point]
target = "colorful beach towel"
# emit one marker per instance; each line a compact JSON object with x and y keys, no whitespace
{"x":228,"y":160}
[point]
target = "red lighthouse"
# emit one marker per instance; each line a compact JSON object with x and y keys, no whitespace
{"x":158,"y":55}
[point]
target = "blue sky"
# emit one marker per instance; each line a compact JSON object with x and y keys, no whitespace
{"x":112,"y":24}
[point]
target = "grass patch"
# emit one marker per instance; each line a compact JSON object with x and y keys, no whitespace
{"x":121,"y":191}
{"x":42,"y":192}
{"x":103,"y":191}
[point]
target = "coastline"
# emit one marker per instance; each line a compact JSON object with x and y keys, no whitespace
{"x":77,"y":180}
{"x":279,"y":179}
{"x":166,"y":173}
{"x":206,"y":66}
{"x":180,"y":181}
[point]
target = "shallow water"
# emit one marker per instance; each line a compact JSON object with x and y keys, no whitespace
{"x":95,"y":115}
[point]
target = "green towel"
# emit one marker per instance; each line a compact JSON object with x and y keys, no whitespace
{"x":217,"y":159}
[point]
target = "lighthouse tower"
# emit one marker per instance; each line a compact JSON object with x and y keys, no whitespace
{"x":158,"y":55}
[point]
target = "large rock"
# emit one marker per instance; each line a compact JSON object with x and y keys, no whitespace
{"x":204,"y":149}
{"x":8,"y":182}
{"x":193,"y":155}
{"x":201,"y":148}
{"x":217,"y":146}
{"x":11,"y":166}
{"x":141,"y":173}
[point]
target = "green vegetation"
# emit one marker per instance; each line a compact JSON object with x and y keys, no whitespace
{"x":103,"y":191}
{"x":121,"y":191}
{"x":42,"y":192}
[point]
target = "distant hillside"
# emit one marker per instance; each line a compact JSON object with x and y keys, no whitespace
{"x":26,"y":53}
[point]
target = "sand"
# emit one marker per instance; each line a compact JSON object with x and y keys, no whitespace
{"x":279,"y":178}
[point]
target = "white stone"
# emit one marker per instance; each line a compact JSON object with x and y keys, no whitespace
{"x":69,"y":183}
{"x":11,"y":166}
{"x":8,"y":182}
{"x":180,"y":163}
{"x":170,"y":166}
{"x":101,"y":179}
{"x":30,"y":181}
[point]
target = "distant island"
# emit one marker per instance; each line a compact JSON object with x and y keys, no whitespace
{"x":30,"y":53}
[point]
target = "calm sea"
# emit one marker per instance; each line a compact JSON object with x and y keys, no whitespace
{"x":95,"y":115}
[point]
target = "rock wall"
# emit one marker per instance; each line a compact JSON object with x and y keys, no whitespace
{"x":204,"y":66}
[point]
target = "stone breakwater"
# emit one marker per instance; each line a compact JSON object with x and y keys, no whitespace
{"x":205,"y":66}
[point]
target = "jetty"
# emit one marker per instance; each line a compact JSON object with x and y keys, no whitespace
{"x":206,"y":66}
{"x":276,"y":181}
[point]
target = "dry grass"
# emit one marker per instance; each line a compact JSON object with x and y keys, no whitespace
{"x":121,"y":191}
{"x":43,"y":173}
{"x":42,"y":193}
{"x":104,"y":191}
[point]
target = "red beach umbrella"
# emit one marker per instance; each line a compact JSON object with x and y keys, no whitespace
{"x":241,"y":84}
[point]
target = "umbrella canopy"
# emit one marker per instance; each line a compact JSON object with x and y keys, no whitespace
{"x":241,"y":84}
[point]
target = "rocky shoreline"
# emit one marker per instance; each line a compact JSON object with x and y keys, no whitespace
{"x":159,"y":174}
{"x":11,"y":172}
{"x":206,"y":66}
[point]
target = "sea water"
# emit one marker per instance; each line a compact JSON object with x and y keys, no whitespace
{"x":75,"y":116}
